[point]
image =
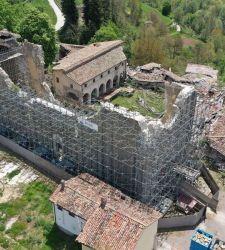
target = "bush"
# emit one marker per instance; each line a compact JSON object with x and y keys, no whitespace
{"x":166,"y":9}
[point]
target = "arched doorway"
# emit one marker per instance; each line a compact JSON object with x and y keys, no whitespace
{"x":108,"y":86}
{"x":86,"y":98}
{"x":94,"y":95}
{"x":115,"y":82}
{"x":101,"y":90}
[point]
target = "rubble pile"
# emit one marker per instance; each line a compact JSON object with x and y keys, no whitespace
{"x":219,"y":245}
{"x":202,"y":239}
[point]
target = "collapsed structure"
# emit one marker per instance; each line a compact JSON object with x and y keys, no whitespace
{"x":22,"y":62}
{"x":145,"y":158}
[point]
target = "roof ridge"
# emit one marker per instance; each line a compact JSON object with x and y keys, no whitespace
{"x":113,"y":209}
{"x":93,"y":56}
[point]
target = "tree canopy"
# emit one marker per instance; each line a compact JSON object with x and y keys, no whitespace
{"x":36,"y":28}
{"x":70,"y":11}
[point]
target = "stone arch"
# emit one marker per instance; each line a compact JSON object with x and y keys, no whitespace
{"x":102,"y":90}
{"x":94,"y":95}
{"x":108,"y":86}
{"x":115,"y":81}
{"x":73,"y":96}
{"x":86,"y":98}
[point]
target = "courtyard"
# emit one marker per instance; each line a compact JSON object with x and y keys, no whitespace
{"x":146,"y":102}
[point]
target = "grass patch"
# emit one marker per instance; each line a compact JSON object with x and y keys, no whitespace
{"x":153,"y":106}
{"x":35,"y":228}
{"x":147,"y":9}
{"x":44,"y":6}
{"x":17,"y":228}
{"x":13,"y":173}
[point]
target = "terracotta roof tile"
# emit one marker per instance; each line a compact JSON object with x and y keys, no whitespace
{"x":97,"y":66}
{"x":88,"y":53}
{"x":110,"y":230}
{"x":117,"y":226}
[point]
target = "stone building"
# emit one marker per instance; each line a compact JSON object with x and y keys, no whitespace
{"x":102,"y":216}
{"x":90,"y":72}
{"x":22,"y":62}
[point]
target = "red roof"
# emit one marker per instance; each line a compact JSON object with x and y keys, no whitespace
{"x":116,"y":226}
{"x":106,"y":229}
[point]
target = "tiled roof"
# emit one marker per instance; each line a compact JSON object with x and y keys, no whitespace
{"x":110,"y":230}
{"x":122,"y":218}
{"x":151,"y":66}
{"x":97,"y":66}
{"x":202,"y":70}
{"x":85,"y":64}
{"x":217,"y":135}
{"x":90,"y":52}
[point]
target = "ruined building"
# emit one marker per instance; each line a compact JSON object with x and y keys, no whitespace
{"x":22,"y":62}
{"x":145,"y":158}
{"x":90,"y":72}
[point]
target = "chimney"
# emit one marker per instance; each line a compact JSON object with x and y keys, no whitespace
{"x":103,"y":203}
{"x":62,"y":185}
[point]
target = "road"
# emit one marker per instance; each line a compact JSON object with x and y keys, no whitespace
{"x":59,"y":15}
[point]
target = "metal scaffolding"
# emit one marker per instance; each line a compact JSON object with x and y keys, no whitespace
{"x":146,"y":163}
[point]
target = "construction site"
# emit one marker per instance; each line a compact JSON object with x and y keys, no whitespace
{"x":151,"y":160}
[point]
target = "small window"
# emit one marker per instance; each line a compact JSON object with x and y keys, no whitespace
{"x":57,"y":79}
{"x":101,"y":75}
{"x":71,"y":86}
{"x":116,"y":68}
{"x":85,"y":85}
{"x":108,"y":71}
{"x":93,"y":80}
{"x":122,"y":64}
{"x":72,"y":214}
{"x":59,"y":207}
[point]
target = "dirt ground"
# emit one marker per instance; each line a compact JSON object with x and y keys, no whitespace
{"x":214,"y":223}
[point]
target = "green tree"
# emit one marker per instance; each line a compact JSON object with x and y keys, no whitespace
{"x":6,"y":16}
{"x":166,"y":9}
{"x":93,"y":13}
{"x":107,"y":10}
{"x":148,"y":48}
{"x":107,"y":32}
{"x":135,"y":11}
{"x":70,"y":11}
{"x":36,"y":28}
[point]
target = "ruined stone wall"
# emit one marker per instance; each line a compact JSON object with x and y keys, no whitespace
{"x":16,"y":68}
{"x":5,"y":81}
{"x":130,"y":152}
{"x":34,"y":59}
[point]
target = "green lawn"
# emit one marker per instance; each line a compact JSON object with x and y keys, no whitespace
{"x":147,"y":9}
{"x":44,"y":6}
{"x":154,"y":102}
{"x":35,"y":228}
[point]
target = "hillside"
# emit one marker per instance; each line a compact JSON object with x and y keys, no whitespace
{"x":203,"y":20}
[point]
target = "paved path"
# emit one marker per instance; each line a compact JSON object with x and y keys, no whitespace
{"x":59,"y":15}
